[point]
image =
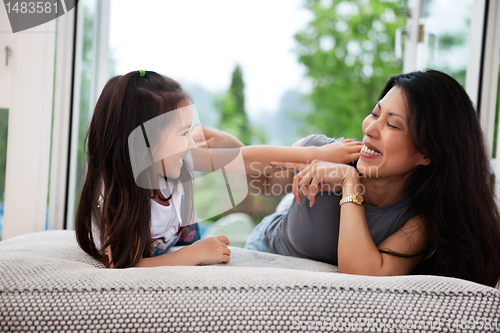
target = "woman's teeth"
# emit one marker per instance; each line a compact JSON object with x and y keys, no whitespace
{"x":367,"y":150}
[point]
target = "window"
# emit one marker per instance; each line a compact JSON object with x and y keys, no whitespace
{"x":4,"y":121}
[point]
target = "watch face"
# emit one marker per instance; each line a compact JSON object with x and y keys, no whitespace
{"x":359,"y":198}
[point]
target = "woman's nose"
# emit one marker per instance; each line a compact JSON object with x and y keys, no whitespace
{"x":371,"y":128}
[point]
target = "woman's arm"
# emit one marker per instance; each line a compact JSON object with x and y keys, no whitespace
{"x":357,"y":253}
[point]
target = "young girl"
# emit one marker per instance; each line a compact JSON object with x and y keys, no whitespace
{"x":113,"y":210}
{"x":132,"y":209}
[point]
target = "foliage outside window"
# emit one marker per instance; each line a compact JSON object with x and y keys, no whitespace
{"x":348,"y":51}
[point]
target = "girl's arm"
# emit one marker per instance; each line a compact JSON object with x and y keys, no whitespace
{"x":257,"y":159}
{"x":181,"y":257}
{"x":266,"y":184}
{"x":215,"y":138}
{"x":206,"y":251}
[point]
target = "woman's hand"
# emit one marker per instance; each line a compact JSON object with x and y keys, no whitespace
{"x":318,"y":176}
{"x":212,"y":250}
{"x":344,"y":151}
{"x":214,"y":138}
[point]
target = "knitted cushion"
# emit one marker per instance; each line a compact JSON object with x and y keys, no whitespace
{"x":47,"y":283}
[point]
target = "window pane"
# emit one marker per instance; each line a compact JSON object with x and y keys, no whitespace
{"x":208,"y":54}
{"x":266,"y":51}
{"x":446,"y":41}
{"x":497,"y":111}
{"x":4,"y":120}
{"x":202,"y":51}
{"x":82,"y":113}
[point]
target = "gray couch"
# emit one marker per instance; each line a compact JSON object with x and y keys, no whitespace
{"x":47,"y":283}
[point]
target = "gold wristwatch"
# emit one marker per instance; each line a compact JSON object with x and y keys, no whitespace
{"x":356,"y":198}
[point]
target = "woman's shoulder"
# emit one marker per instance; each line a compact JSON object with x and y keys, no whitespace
{"x":318,"y":140}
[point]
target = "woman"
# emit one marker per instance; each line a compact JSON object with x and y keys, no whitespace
{"x":418,"y":201}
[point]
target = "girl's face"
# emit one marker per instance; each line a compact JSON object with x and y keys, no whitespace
{"x":175,"y":142}
{"x":387,"y":150}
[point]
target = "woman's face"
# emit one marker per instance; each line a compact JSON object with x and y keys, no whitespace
{"x":387,"y":150}
{"x":175,"y":143}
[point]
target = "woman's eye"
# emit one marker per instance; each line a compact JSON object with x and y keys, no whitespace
{"x":184,"y":134}
{"x":392,"y":126}
{"x":373,"y":114}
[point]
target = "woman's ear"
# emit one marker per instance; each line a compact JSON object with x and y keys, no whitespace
{"x":425,"y":160}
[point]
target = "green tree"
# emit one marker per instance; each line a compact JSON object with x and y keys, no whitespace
{"x":348,"y":52}
{"x":233,"y":119}
{"x":231,"y":106}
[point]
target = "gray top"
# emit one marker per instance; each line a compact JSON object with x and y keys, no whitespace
{"x":313,"y":233}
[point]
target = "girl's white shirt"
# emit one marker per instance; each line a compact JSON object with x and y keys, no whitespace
{"x":165,"y":220}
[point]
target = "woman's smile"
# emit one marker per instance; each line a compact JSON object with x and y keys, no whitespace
{"x":369,"y":153}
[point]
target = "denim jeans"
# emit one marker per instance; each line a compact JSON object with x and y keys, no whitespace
{"x":254,"y":241}
{"x":190,"y":235}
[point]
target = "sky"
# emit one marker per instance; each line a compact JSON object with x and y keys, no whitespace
{"x":200,"y":42}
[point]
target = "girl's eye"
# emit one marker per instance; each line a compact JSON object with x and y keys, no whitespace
{"x":373,"y":114}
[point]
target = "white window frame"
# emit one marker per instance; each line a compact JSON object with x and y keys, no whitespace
{"x":31,"y":120}
{"x":481,"y":81}
{"x":63,"y":86}
{"x":99,"y":78}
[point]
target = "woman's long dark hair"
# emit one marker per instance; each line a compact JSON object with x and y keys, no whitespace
{"x":452,"y":195}
{"x":110,"y":198}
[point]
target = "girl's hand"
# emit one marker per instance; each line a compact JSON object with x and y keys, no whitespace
{"x":214,"y":138}
{"x":212,"y":250}
{"x":318,"y":176}
{"x":344,"y":151}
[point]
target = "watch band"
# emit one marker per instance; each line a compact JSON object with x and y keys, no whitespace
{"x":354,"y":198}
{"x":346,"y":199}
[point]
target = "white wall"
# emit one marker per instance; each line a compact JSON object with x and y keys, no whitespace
{"x":30,"y":116}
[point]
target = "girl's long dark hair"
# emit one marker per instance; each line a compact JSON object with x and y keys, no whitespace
{"x":453,"y":195}
{"x":110,"y":198}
